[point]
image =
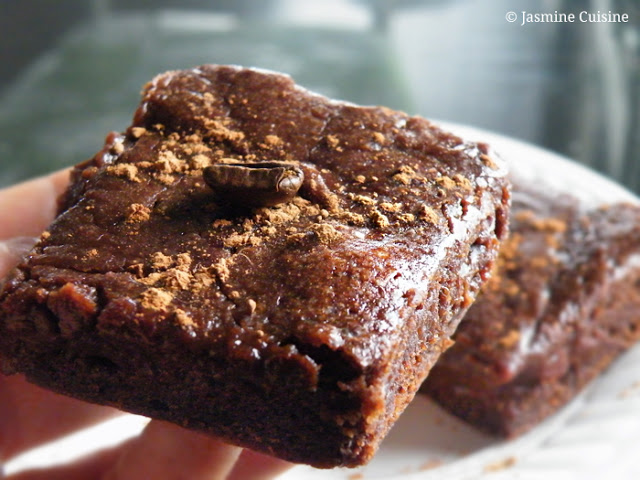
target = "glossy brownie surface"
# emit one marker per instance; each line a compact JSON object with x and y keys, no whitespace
{"x":296,"y":324}
{"x":563,"y":303}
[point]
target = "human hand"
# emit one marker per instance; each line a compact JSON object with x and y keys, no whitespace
{"x":30,"y":416}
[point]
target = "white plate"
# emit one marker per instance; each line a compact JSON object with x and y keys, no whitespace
{"x":594,"y":437}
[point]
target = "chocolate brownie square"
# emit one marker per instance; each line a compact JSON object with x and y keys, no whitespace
{"x":563,"y":304}
{"x":260,"y":263}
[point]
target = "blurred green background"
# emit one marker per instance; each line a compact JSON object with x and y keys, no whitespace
{"x":71,"y":71}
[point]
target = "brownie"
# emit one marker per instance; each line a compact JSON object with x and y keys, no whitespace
{"x":564,"y":303}
{"x":260,"y":263}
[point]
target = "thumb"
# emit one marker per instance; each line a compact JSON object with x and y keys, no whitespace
{"x":12,"y":251}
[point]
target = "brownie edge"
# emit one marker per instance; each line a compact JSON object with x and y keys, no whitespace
{"x":255,"y":261}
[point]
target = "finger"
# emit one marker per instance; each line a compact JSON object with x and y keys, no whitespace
{"x":167,"y":451}
{"x":12,"y":250}
{"x":90,"y":467}
{"x":256,"y":466}
{"x":30,"y":416}
{"x":27,"y":209}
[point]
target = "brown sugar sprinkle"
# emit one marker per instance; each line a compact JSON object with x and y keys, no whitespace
{"x":124,"y":170}
{"x":332,"y":141}
{"x":137,"y":269}
{"x":405,"y":174}
{"x":390,"y":207}
{"x":222,"y":222}
{"x":351,"y":218}
{"x":239,"y":240}
{"x":183,"y":260}
{"x":217,"y":130}
{"x":540,"y":262}
{"x":462,"y":182}
{"x":252,"y":305}
{"x":117,"y":148}
{"x":379,"y":138}
{"x":46,"y":234}
{"x":551,"y":225}
{"x":488,"y":161}
{"x":165,"y":178}
{"x":428,"y":214}
{"x":183,"y":318}
{"x":379,"y":219}
{"x":199,"y":162}
{"x":156,"y":299}
{"x":272,"y":141}
{"x":407,"y":217}
{"x":221,"y":270}
{"x":510,"y":339}
{"x":326,"y":233}
{"x":511,"y":288}
{"x":172,"y":272}
{"x":362,"y":199}
{"x":168,"y":163}
{"x":173,"y":279}
{"x":137,"y":213}
{"x":161,"y":261}
{"x":500,"y":465}
{"x":527,"y":216}
{"x":360,"y":178}
{"x":202,"y":280}
{"x":446,"y":182}
{"x":431,"y":464}
{"x":280,"y":214}
{"x":137,"y":132}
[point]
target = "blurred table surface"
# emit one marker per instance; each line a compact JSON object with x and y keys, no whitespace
{"x":72,"y":70}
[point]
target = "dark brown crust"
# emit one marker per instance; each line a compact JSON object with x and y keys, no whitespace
{"x":563,"y":304}
{"x":300,"y":330}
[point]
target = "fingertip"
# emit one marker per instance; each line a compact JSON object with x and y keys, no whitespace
{"x":27,"y":208}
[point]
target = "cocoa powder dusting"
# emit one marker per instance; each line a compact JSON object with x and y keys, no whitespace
{"x":155,"y":299}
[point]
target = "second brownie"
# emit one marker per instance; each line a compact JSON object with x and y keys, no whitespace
{"x":563,"y":303}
